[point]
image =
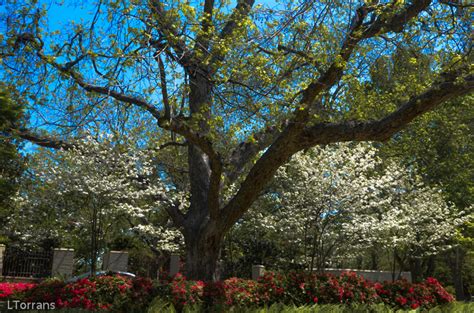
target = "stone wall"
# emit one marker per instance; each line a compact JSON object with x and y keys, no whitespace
{"x":371,"y":275}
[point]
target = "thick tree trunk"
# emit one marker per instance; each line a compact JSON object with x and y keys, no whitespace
{"x":202,"y":255}
{"x":203,"y":239}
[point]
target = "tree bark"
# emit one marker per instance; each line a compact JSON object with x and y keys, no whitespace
{"x":456,"y":271}
{"x":374,"y":260}
{"x":416,"y":270}
{"x":430,"y":266}
{"x":202,"y":254}
{"x":202,"y":238}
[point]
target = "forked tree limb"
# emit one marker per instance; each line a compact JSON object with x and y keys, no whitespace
{"x":359,"y":30}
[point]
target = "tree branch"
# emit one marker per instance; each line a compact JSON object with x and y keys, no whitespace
{"x":164,"y":89}
{"x":174,"y":212}
{"x":290,"y":139}
{"x":302,"y":54}
{"x":177,"y":125}
{"x":240,"y":12}
{"x":246,"y":151}
{"x":78,"y":79}
{"x":395,"y":22}
{"x":451,"y":86}
{"x":359,"y":31}
{"x":42,"y":141}
{"x":170,"y":32}
{"x":202,"y":40}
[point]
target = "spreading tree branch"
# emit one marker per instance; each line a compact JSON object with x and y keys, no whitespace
{"x":177,"y":125}
{"x":289,"y":140}
{"x":453,"y":84}
{"x":42,"y":141}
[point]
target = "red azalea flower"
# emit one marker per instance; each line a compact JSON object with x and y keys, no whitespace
{"x":415,"y":305}
{"x":401,"y":300}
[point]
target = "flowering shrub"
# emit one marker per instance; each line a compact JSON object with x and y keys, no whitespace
{"x":8,"y":289}
{"x":120,"y":294}
{"x":357,"y":289}
{"x":305,"y":288}
{"x":137,"y":297}
{"x":47,"y":291}
{"x":114,"y":293}
{"x":241,"y":292}
{"x":271,"y":288}
{"x":181,"y":291}
{"x":402,"y":294}
{"x":310,"y":288}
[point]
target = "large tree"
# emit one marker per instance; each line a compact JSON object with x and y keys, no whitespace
{"x":241,"y":88}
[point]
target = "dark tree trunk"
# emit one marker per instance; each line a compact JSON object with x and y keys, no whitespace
{"x":374,"y":261}
{"x":202,"y":255}
{"x":202,"y":238}
{"x":430,"y":266}
{"x":416,"y":269}
{"x":456,"y":271}
{"x":94,"y":244}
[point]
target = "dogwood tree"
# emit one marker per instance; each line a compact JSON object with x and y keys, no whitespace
{"x":95,"y":185}
{"x":338,"y":201}
{"x":242,"y":86}
{"x":415,"y":222}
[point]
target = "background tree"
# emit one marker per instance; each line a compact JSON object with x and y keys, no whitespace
{"x":11,"y":162}
{"x":98,"y":191}
{"x":241,"y":88}
{"x":438,"y":144}
{"x":331,"y":206}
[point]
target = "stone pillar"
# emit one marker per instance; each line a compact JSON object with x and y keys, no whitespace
{"x":2,"y":253}
{"x":407,"y":276}
{"x":63,"y":262}
{"x":116,"y":261}
{"x":257,"y":271}
{"x":174,"y":264}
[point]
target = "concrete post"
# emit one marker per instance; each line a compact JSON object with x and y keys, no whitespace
{"x":257,"y":271}
{"x":63,"y":262}
{"x":407,"y":276}
{"x":2,"y":253}
{"x":174,"y":264}
{"x":116,"y":261}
